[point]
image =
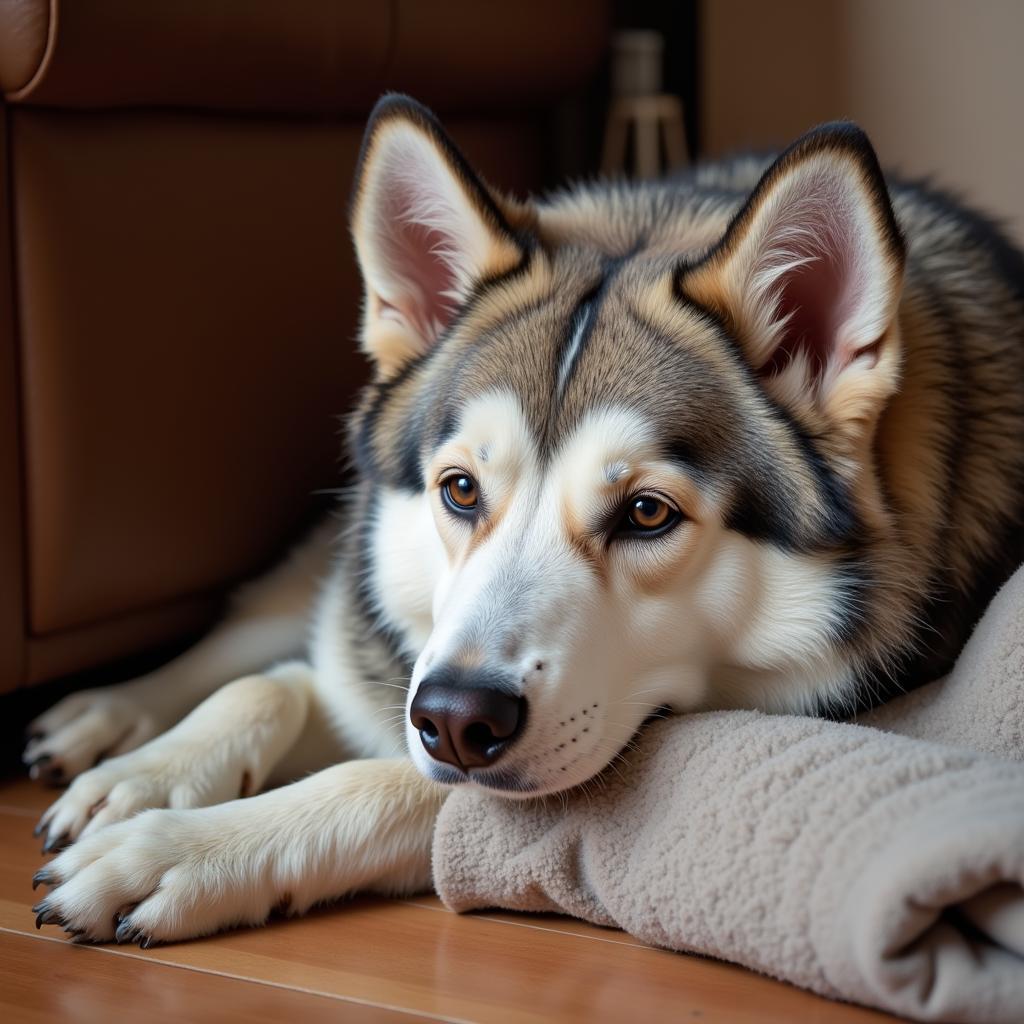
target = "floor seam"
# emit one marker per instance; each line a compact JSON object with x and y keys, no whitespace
{"x":245,"y":977}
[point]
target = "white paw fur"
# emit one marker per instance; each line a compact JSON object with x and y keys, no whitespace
{"x":167,"y":875}
{"x":77,"y":731}
{"x":196,"y":764}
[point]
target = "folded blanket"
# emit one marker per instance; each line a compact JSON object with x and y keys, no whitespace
{"x":980,"y":705}
{"x":861,"y":864}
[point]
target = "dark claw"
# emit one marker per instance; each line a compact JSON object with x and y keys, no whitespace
{"x":147,"y":941}
{"x":41,"y":877}
{"x":124,"y":913}
{"x":46,"y":915}
{"x":126,"y":931}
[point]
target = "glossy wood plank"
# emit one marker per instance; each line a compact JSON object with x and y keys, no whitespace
{"x":416,"y":956}
{"x":47,"y":981}
{"x":26,"y":798}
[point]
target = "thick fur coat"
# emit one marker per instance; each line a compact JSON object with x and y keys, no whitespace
{"x":749,"y":438}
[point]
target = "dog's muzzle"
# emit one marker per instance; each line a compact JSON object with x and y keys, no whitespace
{"x":466,"y":721}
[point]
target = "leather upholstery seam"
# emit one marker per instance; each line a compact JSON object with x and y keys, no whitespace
{"x":162,"y":606}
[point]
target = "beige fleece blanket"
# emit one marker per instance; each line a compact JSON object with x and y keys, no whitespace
{"x":881,"y":867}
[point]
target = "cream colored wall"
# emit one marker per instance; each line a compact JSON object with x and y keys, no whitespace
{"x":938,"y":84}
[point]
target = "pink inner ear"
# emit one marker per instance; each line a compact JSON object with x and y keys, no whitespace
{"x":822,"y":282}
{"x":813,"y":298}
{"x":420,"y":259}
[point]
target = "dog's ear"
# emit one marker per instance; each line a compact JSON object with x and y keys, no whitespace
{"x":808,"y":278}
{"x":427,"y":230}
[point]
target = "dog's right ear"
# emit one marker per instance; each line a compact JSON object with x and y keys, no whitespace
{"x":427,"y":231}
{"x":808,"y":280}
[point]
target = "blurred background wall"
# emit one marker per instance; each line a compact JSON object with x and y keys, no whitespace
{"x":938,"y":84}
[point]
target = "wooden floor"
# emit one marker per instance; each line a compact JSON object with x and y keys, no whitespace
{"x":373,"y":961}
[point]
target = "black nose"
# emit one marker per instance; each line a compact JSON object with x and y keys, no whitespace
{"x":466,"y":726}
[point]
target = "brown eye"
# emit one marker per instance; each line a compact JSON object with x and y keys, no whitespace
{"x":460,"y":493}
{"x":647,"y":514}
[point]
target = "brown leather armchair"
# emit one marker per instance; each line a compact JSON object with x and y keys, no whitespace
{"x":178,"y":297}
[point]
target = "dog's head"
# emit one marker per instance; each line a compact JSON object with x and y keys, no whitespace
{"x":619,"y":444}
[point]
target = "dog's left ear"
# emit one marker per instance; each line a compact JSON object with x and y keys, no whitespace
{"x":808,"y":279}
{"x":427,"y":230}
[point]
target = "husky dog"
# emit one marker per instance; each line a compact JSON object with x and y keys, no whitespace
{"x":752,"y":438}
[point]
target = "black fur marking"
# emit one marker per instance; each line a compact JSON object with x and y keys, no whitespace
{"x":841,"y":523}
{"x":850,"y":610}
{"x":409,"y":452}
{"x":761,"y":511}
{"x":366,"y":615}
{"x":690,"y":459}
{"x":585,"y":312}
{"x":759,"y":516}
{"x":589,"y":306}
{"x":363,"y":439}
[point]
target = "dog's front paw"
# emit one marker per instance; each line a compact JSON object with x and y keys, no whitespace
{"x":168,"y":772}
{"x":83,"y":728}
{"x":164,"y":875}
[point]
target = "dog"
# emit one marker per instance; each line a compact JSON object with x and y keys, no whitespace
{"x":750,"y":438}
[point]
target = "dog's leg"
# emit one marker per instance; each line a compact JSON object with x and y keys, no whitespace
{"x":268,"y":622}
{"x":225,"y":748}
{"x":365,"y":826}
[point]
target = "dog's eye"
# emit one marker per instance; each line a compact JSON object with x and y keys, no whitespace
{"x":460,"y":493}
{"x":648,"y":515}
